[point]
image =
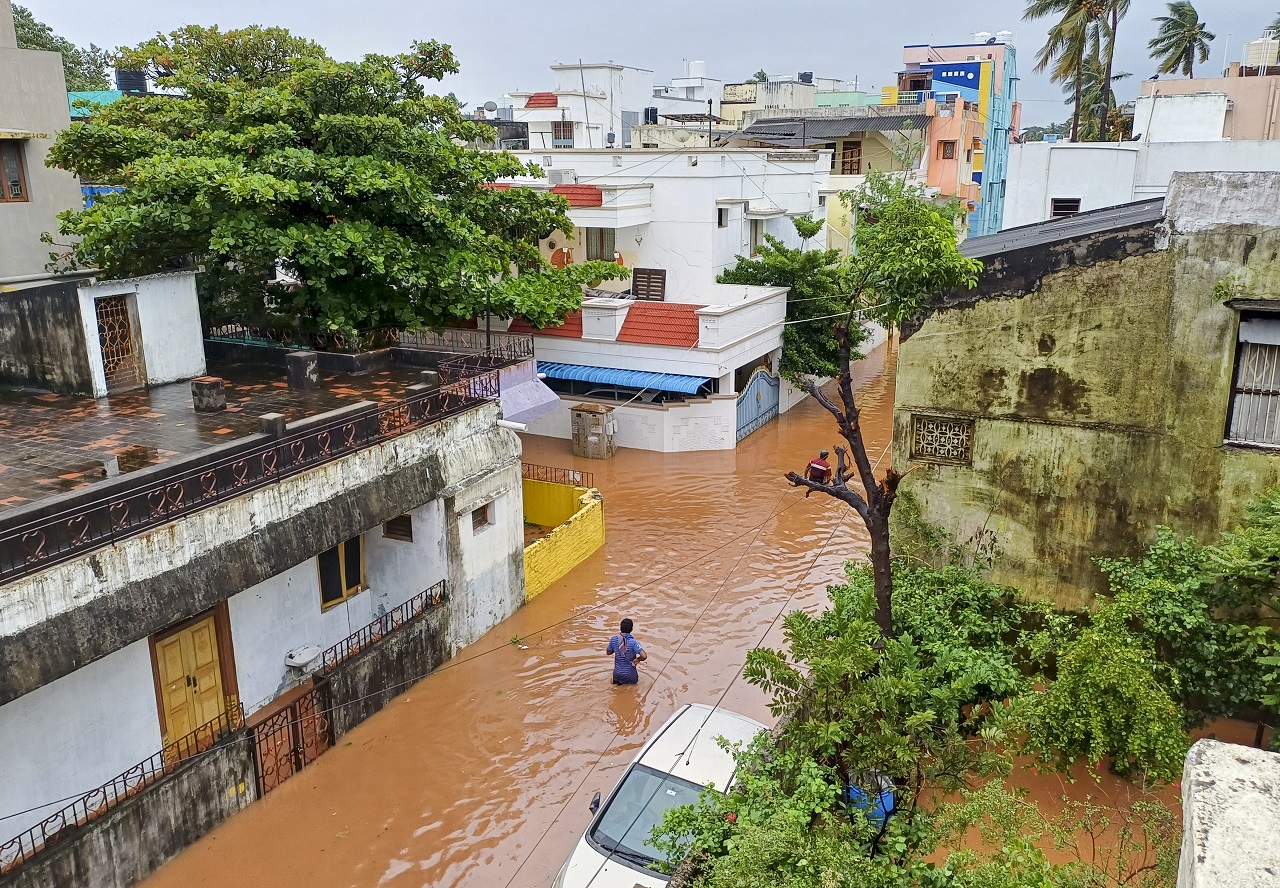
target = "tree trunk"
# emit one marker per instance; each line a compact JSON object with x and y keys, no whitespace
{"x":1075,"y":113}
{"x":1106,"y":80}
{"x":881,"y":568}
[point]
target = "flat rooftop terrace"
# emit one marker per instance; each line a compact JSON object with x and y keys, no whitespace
{"x":53,"y":443}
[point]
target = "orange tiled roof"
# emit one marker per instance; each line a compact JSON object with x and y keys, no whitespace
{"x":580,"y":195}
{"x":496,"y":186}
{"x":572,"y":327}
{"x":661,"y":323}
{"x":542,"y":100}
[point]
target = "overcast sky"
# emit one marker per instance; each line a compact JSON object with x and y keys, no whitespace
{"x":504,"y":45}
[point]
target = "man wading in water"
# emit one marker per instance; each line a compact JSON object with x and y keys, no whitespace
{"x":626,"y":654}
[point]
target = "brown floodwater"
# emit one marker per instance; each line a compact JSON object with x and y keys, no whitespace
{"x":481,"y":774}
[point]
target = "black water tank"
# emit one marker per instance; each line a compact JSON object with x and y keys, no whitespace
{"x":806,"y":76}
{"x":131,"y":81}
{"x":651,"y":116}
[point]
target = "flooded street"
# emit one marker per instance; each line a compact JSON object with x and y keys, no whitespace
{"x":456,"y":781}
{"x":481,"y":774}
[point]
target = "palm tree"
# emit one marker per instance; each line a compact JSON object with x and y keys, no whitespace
{"x":1182,"y":39}
{"x":1070,"y":39}
{"x":1115,"y":10}
{"x":1093,"y":88}
{"x":1275,"y":26}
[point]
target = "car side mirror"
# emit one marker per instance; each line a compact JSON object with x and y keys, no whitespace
{"x":595,"y":803}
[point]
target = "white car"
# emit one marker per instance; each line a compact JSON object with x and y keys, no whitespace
{"x":672,"y":770}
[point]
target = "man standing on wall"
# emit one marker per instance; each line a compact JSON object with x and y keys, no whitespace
{"x":626,"y":654}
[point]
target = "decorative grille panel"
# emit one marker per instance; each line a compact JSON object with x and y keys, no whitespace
{"x":1255,"y":413}
{"x":116,"y":336}
{"x":936,"y":439}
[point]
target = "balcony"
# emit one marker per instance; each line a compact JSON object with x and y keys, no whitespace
{"x":621,"y":206}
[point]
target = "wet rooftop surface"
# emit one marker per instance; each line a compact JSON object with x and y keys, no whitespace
{"x":52,"y":443}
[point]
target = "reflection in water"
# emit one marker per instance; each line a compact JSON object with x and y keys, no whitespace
{"x":481,"y":766}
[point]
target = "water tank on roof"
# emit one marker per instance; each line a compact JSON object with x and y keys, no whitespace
{"x":131,"y":82}
{"x":1004,"y":36}
{"x":1262,"y":53}
{"x":651,"y":116}
{"x":695,"y":68}
{"x":805,"y":77}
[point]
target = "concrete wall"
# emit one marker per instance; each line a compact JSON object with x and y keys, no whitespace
{"x":285,"y":613}
{"x":574,"y":539}
{"x":550,"y":504}
{"x":56,"y":621}
{"x":700,"y":424}
{"x":42,"y":343}
{"x":1180,"y":118}
{"x":167,"y":311}
{"x":134,"y":840}
{"x":1098,"y":389}
{"x":34,"y":100}
{"x":1230,"y":816}
{"x":76,"y":733}
{"x":1255,"y":112}
{"x":1106,"y":175}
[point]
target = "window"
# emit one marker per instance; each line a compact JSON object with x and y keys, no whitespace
{"x":947,"y":149}
{"x":649,"y":284}
{"x":939,"y":439}
{"x":399,"y":528}
{"x":822,"y":201}
{"x":757,"y":235}
{"x":600,"y":244}
{"x":1255,"y":395}
{"x":481,"y":517}
{"x":851,"y":159}
{"x":562,"y":134}
{"x":1062,"y":207}
{"x":15,"y":174}
{"x":341,"y":572}
{"x":722,"y":217}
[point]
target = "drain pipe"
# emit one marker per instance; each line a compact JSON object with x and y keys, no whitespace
{"x":514,"y":426}
{"x":48,"y":276}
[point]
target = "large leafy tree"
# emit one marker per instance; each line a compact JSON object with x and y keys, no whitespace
{"x":1182,"y":39}
{"x":1094,"y":102}
{"x":347,"y":176}
{"x":85,"y":68}
{"x":905,"y":253}
{"x":809,"y":347}
{"x":1071,"y":36}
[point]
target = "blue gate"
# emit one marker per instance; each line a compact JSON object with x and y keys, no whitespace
{"x":758,"y":403}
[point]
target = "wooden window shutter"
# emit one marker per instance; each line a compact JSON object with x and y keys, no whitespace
{"x":649,"y":283}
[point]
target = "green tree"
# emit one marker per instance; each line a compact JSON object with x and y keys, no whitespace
{"x":760,"y":76}
{"x":1181,"y":41}
{"x":1071,"y":38}
{"x":1094,"y":102}
{"x":1114,"y":11}
{"x":84,"y":68}
{"x":809,"y":347}
{"x":349,"y":176}
{"x":905,"y":254}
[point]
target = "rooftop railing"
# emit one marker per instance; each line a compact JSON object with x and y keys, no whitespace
{"x":557,"y":475}
{"x":198,"y":483}
{"x":98,"y":802}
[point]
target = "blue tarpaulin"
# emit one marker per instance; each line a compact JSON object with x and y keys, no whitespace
{"x":639,"y":379}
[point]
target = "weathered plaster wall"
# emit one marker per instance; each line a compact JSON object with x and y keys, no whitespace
{"x":42,"y":343}
{"x":572,"y":542}
{"x":700,"y":424}
{"x":76,"y":733}
{"x":56,"y":621}
{"x":133,"y":841}
{"x":1230,"y":817}
{"x":1099,"y":385}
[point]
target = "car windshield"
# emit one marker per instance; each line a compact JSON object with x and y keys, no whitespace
{"x":636,"y":808}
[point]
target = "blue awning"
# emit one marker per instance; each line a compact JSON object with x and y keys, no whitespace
{"x":639,"y":379}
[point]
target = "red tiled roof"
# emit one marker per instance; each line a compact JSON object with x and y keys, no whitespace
{"x":542,"y":100}
{"x":572,"y":327}
{"x":580,"y":195}
{"x":661,"y":323}
{"x":496,"y":186}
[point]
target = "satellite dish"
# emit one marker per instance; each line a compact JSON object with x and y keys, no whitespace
{"x":491,"y":106}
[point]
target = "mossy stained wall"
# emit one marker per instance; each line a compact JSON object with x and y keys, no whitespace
{"x":1099,"y":397}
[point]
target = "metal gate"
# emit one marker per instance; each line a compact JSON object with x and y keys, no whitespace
{"x":758,"y":403}
{"x":287,"y":741}
{"x":115,"y":334}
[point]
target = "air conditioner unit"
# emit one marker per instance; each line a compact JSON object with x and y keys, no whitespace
{"x":562,"y":177}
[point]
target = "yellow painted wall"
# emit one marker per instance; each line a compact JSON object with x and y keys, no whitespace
{"x":578,"y":533}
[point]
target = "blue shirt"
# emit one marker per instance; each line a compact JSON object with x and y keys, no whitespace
{"x":625,"y":650}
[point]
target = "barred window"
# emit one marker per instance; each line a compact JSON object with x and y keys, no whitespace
{"x":1255,"y":396}
{"x":939,"y":439}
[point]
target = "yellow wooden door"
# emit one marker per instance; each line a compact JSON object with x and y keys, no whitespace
{"x":190,"y":679}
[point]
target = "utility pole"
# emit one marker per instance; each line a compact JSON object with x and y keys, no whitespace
{"x":710,"y":117}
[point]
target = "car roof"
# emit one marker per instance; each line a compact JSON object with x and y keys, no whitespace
{"x":686,"y":745}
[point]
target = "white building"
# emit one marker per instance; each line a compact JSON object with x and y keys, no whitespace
{"x":1173,"y":132}
{"x":693,"y":94}
{"x":673,"y":350}
{"x":592,"y":105}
